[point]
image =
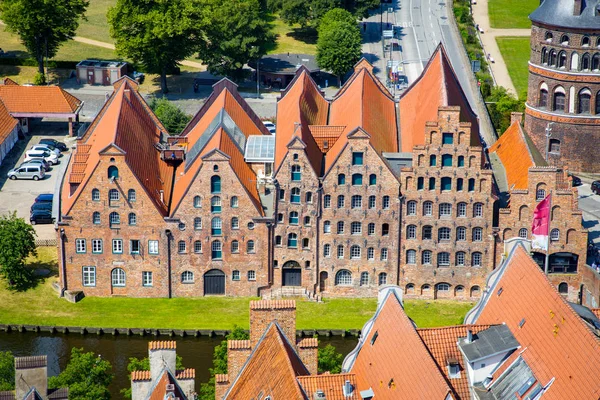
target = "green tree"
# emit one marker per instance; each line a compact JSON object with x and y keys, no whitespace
{"x":336,"y":16}
{"x":207,"y":389}
{"x":338,"y":46}
{"x":236,"y":32}
{"x":156,"y":33}
{"x":360,"y":8}
{"x":42,"y":25}
{"x":7,"y":371}
{"x":17,"y":242}
{"x":87,"y":376}
{"x":330,"y":360}
{"x":305,"y":12}
{"x":171,"y":116}
{"x":500,"y":105}
{"x":143,"y":364}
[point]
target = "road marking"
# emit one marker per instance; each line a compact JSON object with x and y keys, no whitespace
{"x":414,"y":31}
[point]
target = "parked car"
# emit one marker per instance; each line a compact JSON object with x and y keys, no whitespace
{"x":575,"y":180}
{"x":46,"y":147}
{"x":596,"y":187}
{"x":44,"y":198}
{"x":270,"y":126}
{"x":41,"y":206}
{"x":35,"y":172}
{"x":59,"y":145}
{"x":41,"y":217}
{"x":51,"y":158}
{"x":38,"y":161}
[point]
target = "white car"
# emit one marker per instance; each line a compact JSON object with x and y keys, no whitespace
{"x":44,"y":147}
{"x":270,"y":126}
{"x":48,"y":156}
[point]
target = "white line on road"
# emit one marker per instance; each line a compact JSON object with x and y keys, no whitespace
{"x":414,"y":31}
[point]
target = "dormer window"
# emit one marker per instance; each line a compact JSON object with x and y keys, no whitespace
{"x":453,"y":368}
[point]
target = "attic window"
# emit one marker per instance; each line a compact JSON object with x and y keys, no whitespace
{"x":374,"y":338}
{"x":521,"y":323}
{"x":112,"y":159}
{"x":216,"y":168}
{"x":295,"y":156}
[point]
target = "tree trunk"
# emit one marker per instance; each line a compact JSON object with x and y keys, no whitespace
{"x":163,"y":81}
{"x":40,"y":56}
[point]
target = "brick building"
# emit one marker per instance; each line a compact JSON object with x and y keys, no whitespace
{"x":564,"y":82}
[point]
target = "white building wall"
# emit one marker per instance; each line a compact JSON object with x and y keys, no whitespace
{"x":481,"y":369}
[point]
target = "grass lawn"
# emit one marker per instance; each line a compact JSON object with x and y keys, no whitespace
{"x":515,"y":51}
{"x":41,"y":306}
{"x":511,"y":13}
{"x":96,"y":26}
{"x":293,"y":39}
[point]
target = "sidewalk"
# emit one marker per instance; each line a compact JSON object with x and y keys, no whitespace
{"x":490,"y":46}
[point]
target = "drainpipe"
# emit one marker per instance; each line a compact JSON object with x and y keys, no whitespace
{"x":169,"y":280}
{"x":318,"y":195}
{"x":63,"y":263}
{"x":401,"y":200}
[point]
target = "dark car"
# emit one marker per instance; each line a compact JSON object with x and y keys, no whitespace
{"x":41,"y":206}
{"x":596,"y":187}
{"x":41,"y":217}
{"x":44,"y":198}
{"x":55,"y":143}
{"x":576,"y":180}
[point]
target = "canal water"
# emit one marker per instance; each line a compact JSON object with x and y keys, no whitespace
{"x":196,"y":352}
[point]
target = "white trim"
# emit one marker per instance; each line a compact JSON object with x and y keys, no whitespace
{"x":564,"y":115}
{"x":578,"y":73}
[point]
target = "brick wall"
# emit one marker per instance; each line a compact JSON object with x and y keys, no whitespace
{"x":263,"y":312}
{"x":308,"y":350}
{"x":238,"y":352}
{"x":221,"y":385}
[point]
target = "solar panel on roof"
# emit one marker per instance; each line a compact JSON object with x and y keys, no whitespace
{"x":260,"y":148}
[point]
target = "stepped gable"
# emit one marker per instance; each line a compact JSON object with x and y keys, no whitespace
{"x":392,"y":360}
{"x":363,"y":102}
{"x":441,"y":344}
{"x":125,"y":125}
{"x":437,"y":87}
{"x":517,"y":154}
{"x":302,"y":104}
{"x":522,"y":297}
{"x":271,"y":369}
{"x":223,"y":124}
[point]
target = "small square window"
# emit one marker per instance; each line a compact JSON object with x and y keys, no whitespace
{"x":80,"y":245}
{"x":96,"y":246}
{"x":357,"y":158}
{"x":235,"y":275}
{"x":251,"y":275}
{"x":147,"y":278}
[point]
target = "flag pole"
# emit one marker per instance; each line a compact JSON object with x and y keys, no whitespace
{"x":547,"y":260}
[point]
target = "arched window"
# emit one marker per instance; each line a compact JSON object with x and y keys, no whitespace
{"x":327,"y":201}
{"x":585,"y":41}
{"x":197,"y":202}
{"x":355,"y":252}
{"x":215,"y":204}
{"x":293,"y":218}
{"x":461,"y":234}
{"x":476,"y":259}
{"x":131,"y":197}
{"x":235,"y":223}
{"x":341,"y":201}
{"x":372,"y":179}
{"x":113,"y":172}
{"x":95,"y":195}
{"x":478,"y":210}
{"x":461,"y":209}
{"x":295,"y":195}
{"x":292,"y":240}
{"x":574,"y":61}
{"x":296,"y":173}
{"x":197,"y":246}
{"x":356,"y":201}
{"x":562,"y":59}
{"x":307,"y":220}
{"x":118,"y":277}
{"x":428,"y":208}
{"x":371,"y":229}
{"x":385,"y":229}
{"x":327,"y":227}
{"x":443,"y":259}
{"x":197,"y":223}
{"x":411,"y":257}
{"x":356,"y":228}
{"x":461,"y":161}
{"x":475,"y":291}
{"x":340,"y":251}
{"x":442,"y":287}
{"x":459,"y":290}
{"x":385,"y":202}
{"x":559,"y":100}
{"x":444,"y":234}
{"x":544,"y":56}
{"x":426,"y":232}
{"x":523,"y":233}
{"x":235,"y":247}
{"x":308,"y":197}
{"x":370,"y":253}
{"x":548,"y":36}
{"x":216,"y":248}
{"x":341,"y":179}
{"x":564,"y":40}
{"x":585,"y":62}
{"x":340,"y":227}
{"x":563,"y":288}
{"x":364,"y":278}
{"x":357,"y":179}
{"x":477,"y":234}
{"x":382,"y":279}
{"x":540,"y":194}
{"x":113,"y":195}
{"x":187,"y":277}
{"x":432,"y":160}
{"x":426,"y":257}
{"x":250,"y":247}
{"x":96,"y":218}
{"x":411,"y":208}
{"x":114,"y":218}
{"x":215,"y":184}
{"x":446,"y":184}
{"x":596,"y":62}
{"x":411,"y":232}
{"x":597,"y":110}
{"x":471,"y":187}
{"x":552,"y":58}
{"x":233,"y":202}
{"x":343,"y":278}
{"x":132,"y":219}
{"x":554,"y":235}
{"x":543,"y":103}
{"x":585,"y":98}
{"x":460,"y":259}
{"x":216,"y":226}
{"x":181,"y":247}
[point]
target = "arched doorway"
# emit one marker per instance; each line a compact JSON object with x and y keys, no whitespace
{"x":214,"y":282}
{"x":323,"y":281}
{"x":291,"y":274}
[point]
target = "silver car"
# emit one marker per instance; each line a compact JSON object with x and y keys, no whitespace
{"x":37,"y":161}
{"x":35,"y":172}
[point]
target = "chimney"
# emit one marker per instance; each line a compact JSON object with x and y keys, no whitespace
{"x":221,"y":385}
{"x":31,"y":372}
{"x":162,"y":355}
{"x":348,"y":389}
{"x":308,"y":350}
{"x":577,"y":7}
{"x":263,"y":312}
{"x":238,"y":352}
{"x":516,"y":117}
{"x":469,"y":338}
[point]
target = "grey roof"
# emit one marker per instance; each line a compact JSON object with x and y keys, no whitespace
{"x":260,"y":148}
{"x":286,"y":63}
{"x":586,"y":314}
{"x":559,"y":13}
{"x":494,"y":340}
{"x":518,"y":378}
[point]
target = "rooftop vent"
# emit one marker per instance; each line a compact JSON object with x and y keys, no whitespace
{"x":170,"y":388}
{"x":348,"y":389}
{"x":319,"y":395}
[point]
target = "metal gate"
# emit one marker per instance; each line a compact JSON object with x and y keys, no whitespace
{"x":292,"y":274}
{"x":214,"y":282}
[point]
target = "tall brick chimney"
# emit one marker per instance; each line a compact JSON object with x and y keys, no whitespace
{"x":31,"y":372}
{"x":162,"y":354}
{"x":263,"y":312}
{"x":308,"y":350}
{"x":516,"y":116}
{"x":238,"y":352}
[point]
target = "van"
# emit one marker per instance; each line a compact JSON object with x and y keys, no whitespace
{"x":35,"y":172}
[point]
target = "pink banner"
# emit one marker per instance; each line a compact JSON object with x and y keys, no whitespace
{"x":540,"y":226}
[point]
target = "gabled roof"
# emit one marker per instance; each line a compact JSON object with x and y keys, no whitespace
{"x":124,"y":125}
{"x":363,"y":102}
{"x":301,"y":105}
{"x":271,"y":369}
{"x":158,"y":389}
{"x":38,"y":99}
{"x":559,"y":348}
{"x":517,"y":154}
{"x":331,"y":385}
{"x":441,"y":344}
{"x":326,"y":135}
{"x":437,"y":86}
{"x":7,"y":123}
{"x":393,"y":361}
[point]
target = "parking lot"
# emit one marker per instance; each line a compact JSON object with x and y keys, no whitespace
{"x":19,"y":195}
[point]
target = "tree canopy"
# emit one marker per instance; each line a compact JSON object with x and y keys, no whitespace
{"x":157,"y":33}
{"x":171,"y":116}
{"x":235,"y":32}
{"x":310,"y":12}
{"x":42,"y":25}
{"x":339,"y":46}
{"x":17,"y":242}
{"x":329,"y":360}
{"x":87,"y":376}
{"x":7,"y":371}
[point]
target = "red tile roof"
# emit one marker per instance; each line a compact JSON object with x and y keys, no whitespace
{"x":188,"y":373}
{"x":160,"y":388}
{"x":272,"y":304}
{"x":162,"y":345}
{"x":441,"y":343}
{"x":7,"y":123}
{"x":437,"y":86}
{"x":397,"y":365}
{"x":38,"y":99}
{"x":301,"y":103}
{"x":515,"y":155}
{"x":325,"y":135}
{"x":557,"y":345}
{"x":330,"y":384}
{"x":141,"y":376}
{"x":271,"y":370}
{"x":308,"y":343}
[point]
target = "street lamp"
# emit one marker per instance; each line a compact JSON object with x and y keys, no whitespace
{"x":548,"y":135}
{"x":258,"y":73}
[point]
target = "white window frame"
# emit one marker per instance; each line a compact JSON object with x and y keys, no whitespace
{"x":181,"y":247}
{"x":445,"y":210}
{"x":384,"y":254}
{"x":411,"y":208}
{"x":327,"y":201}
{"x":187,"y":277}
{"x":113,"y":195}
{"x":372,"y":202}
{"x":153,"y":247}
{"x":97,"y":246}
{"x":147,"y":280}
{"x":411,"y":256}
{"x":385,"y":201}
{"x":477,"y":234}
{"x":460,"y":258}
{"x":478,"y":210}
{"x":461,"y":210}
{"x":80,"y":246}
{"x":461,"y":234}
{"x":355,"y":252}
{"x":88,"y":276}
{"x":251,"y":275}
{"x":356,"y":201}
{"x":427,"y":208}
{"x":356,"y":228}
{"x":411,"y":232}
{"x":197,"y":246}
{"x":117,"y":246}
{"x":340,"y":251}
{"x":139,"y":244}
{"x":370,"y":254}
{"x":118,"y":278}
{"x":327,"y":250}
{"x":235,"y":275}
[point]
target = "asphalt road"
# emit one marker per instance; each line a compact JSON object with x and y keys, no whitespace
{"x":589,"y":204}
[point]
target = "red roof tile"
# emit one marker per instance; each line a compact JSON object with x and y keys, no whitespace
{"x":330,"y":384}
{"x":238,"y":344}
{"x":141,"y":376}
{"x":272,"y":304}
{"x":325,"y":135}
{"x":397,"y":365}
{"x":308,"y":343}
{"x":160,"y":388}
{"x":188,"y":373}
{"x":515,"y":155}
{"x":38,"y":99}
{"x":162,"y":345}
{"x":441,"y":343}
{"x":7,"y":123}
{"x":221,"y":378}
{"x":557,"y":344}
{"x":437,"y":86}
{"x":8,"y":81}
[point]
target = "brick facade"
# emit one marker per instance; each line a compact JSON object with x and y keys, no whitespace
{"x":447,"y":237}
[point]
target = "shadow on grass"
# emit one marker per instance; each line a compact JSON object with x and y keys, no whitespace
{"x":306,"y":35}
